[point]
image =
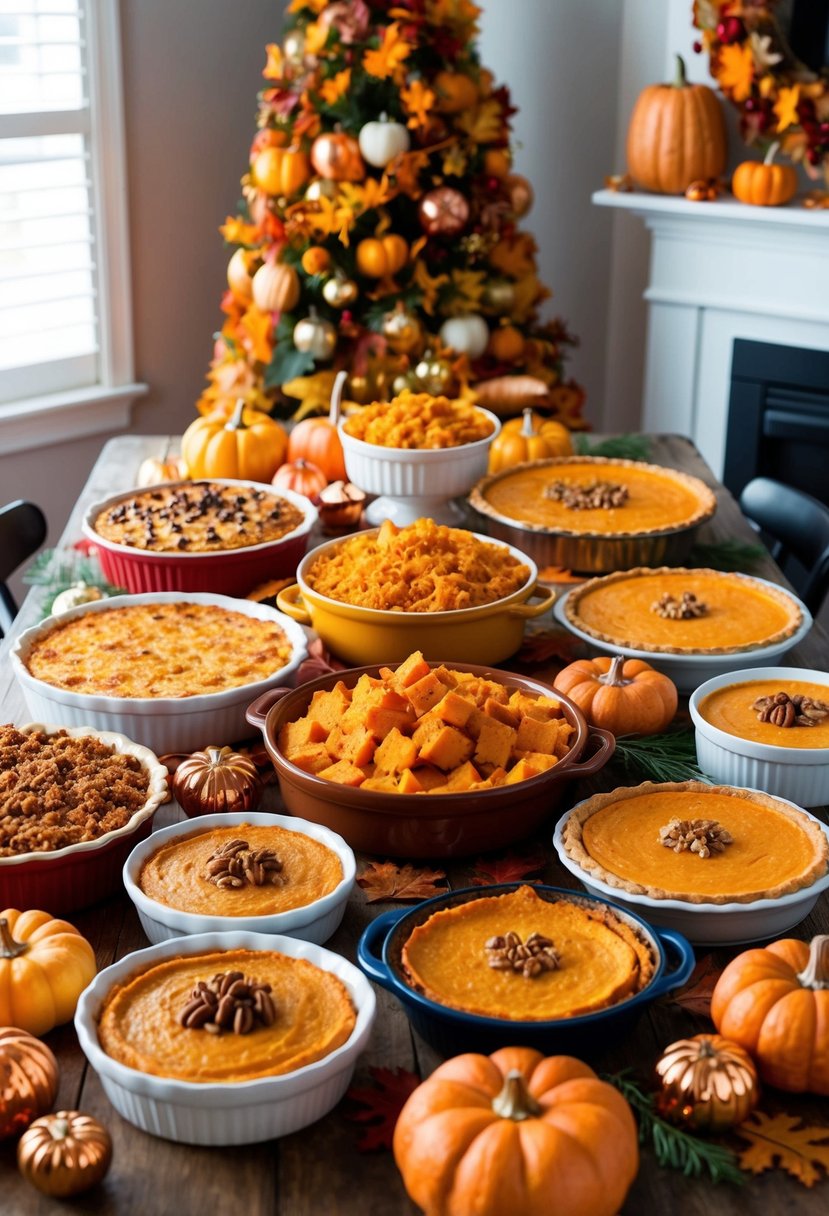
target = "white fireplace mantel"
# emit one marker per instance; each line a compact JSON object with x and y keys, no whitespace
{"x":720,"y":271}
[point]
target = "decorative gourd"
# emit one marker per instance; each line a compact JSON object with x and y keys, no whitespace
{"x":239,"y":278}
{"x":45,"y":965}
{"x":467,"y":334}
{"x":764,"y":184}
{"x":515,"y":1134}
{"x":300,"y":476}
{"x":65,"y":1153}
{"x":248,"y":445}
{"x":317,"y":441}
{"x":506,"y":343}
{"x":154,"y":472}
{"x":316,"y":259}
{"x":378,"y":257}
{"x":706,"y":1082}
{"x":275,"y":287}
{"x":336,"y":156}
{"x":381,"y":141}
{"x":676,"y":135}
{"x":280,"y":170}
{"x":216,"y":781}
{"x":455,"y":92}
{"x":528,"y":438}
{"x":625,"y":696}
{"x":775,"y":1002}
{"x":28,"y":1080}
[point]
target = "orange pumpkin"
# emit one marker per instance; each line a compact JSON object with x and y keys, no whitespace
{"x":276,"y":287}
{"x":676,"y":135}
{"x":764,"y":184}
{"x":528,"y":438}
{"x":317,"y":441}
{"x":506,"y":343}
{"x":280,"y":170}
{"x":627,"y":697}
{"x":775,"y":1002}
{"x":337,"y":157}
{"x":248,"y":444}
{"x":455,"y":92}
{"x":497,"y":162}
{"x":315,"y":259}
{"x":516,"y":1133}
{"x":301,"y":476}
{"x":378,"y":257}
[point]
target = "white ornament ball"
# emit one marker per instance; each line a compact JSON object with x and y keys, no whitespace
{"x":467,"y":334}
{"x":381,"y":141}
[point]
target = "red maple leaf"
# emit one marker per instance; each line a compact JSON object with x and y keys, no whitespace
{"x":511,"y":867}
{"x":695,"y":996}
{"x":383,"y":1103}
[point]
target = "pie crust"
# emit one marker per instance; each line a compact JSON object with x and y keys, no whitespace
{"x":781,"y":597}
{"x":574,"y":844}
{"x":604,"y":465}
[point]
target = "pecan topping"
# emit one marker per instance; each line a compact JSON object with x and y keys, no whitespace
{"x":509,"y":953}
{"x":783,"y":710}
{"x":229,"y":1001}
{"x":683,"y":609}
{"x":701,"y":836}
{"x":589,"y":497}
{"x":236,"y":864}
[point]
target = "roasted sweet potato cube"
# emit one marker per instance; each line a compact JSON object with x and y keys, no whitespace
{"x":522,"y":771}
{"x":367,"y":691}
{"x":425,"y":693}
{"x":446,"y":675}
{"x":383,"y":781}
{"x":536,"y":736}
{"x":495,"y":742}
{"x":539,"y":760}
{"x":392,"y":699}
{"x":455,"y":710}
{"x":312,"y":758}
{"x":359,"y":746}
{"x":428,"y":726}
{"x":343,"y":773}
{"x":381,"y":721}
{"x":408,"y":783}
{"x":396,"y":753}
{"x":498,"y":776}
{"x":411,"y":670}
{"x":447,"y":749}
{"x":329,"y":707}
{"x":500,"y":712}
{"x":300,"y":733}
{"x":428,"y":776}
{"x":564,"y":741}
{"x":461,"y":778}
{"x":336,"y":741}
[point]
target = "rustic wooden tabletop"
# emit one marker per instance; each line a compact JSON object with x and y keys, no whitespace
{"x":319,"y":1170}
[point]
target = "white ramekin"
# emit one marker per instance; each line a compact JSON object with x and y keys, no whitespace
{"x":64,"y":880}
{"x":314,"y":922}
{"x":706,"y":924}
{"x":163,"y":724}
{"x":799,"y":774}
{"x":243,"y":1112}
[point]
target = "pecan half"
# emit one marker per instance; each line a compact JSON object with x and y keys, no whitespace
{"x":783,"y":710}
{"x":530,"y":958}
{"x":236,"y":864}
{"x":591,"y":496}
{"x":683,"y":609}
{"x":229,"y":1002}
{"x":700,"y":836}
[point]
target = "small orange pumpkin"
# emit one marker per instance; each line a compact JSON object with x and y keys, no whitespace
{"x":316,"y":259}
{"x":763,"y":183}
{"x":516,"y":1133}
{"x":529,"y":437}
{"x":317,"y":441}
{"x":45,"y":965}
{"x":300,"y":476}
{"x":506,"y":343}
{"x":240,"y":274}
{"x":280,"y":170}
{"x":455,"y":92}
{"x":497,"y":162}
{"x":378,"y":257}
{"x":774,"y":1002}
{"x":627,"y":697}
{"x":275,"y":287}
{"x":246,"y":444}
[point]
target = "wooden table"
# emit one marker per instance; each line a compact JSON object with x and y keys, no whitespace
{"x":318,"y":1171}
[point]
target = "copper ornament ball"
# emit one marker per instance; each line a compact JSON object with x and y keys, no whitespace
{"x":443,"y":212}
{"x":402,"y":331}
{"x":337,"y":156}
{"x":520,"y":193}
{"x":216,"y":781}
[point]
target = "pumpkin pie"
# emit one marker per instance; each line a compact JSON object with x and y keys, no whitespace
{"x":143,"y":1023}
{"x":698,"y":843}
{"x":747,"y":710}
{"x":673,"y":610}
{"x":243,"y":870}
{"x":595,"y":496}
{"x":589,"y":957}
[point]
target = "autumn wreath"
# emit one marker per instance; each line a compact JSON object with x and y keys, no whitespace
{"x":778,"y":97}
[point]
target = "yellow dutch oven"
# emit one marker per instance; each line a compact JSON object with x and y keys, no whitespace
{"x":486,"y":634}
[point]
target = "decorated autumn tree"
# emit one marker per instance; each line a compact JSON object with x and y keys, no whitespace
{"x":379,"y":226}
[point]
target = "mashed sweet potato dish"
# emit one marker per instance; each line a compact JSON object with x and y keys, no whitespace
{"x":418,"y":420}
{"x":424,"y":567}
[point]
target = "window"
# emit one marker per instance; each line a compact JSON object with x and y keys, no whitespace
{"x":65,"y":326}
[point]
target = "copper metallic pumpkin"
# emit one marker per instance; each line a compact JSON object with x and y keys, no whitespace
{"x":28,"y":1080}
{"x":65,"y":1153}
{"x":706,"y":1082}
{"x":216,"y":781}
{"x":337,"y":156}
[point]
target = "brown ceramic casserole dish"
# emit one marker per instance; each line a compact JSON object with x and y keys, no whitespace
{"x":433,"y":825}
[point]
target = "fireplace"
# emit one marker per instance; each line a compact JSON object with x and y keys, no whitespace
{"x":778,"y":417}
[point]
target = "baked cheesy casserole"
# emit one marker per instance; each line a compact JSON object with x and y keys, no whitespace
{"x":177,"y":649}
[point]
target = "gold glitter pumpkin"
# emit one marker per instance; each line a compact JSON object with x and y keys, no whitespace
{"x":28,"y":1080}
{"x":707,"y":1082}
{"x":65,"y":1153}
{"x":215,"y":781}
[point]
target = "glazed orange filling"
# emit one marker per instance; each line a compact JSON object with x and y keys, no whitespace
{"x":730,"y":709}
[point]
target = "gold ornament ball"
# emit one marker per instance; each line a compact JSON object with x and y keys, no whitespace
{"x":443,"y":212}
{"x":433,"y":376}
{"x":359,"y":389}
{"x":65,"y":1153}
{"x":323,"y":187}
{"x":402,"y":330}
{"x":706,"y":1082}
{"x":520,"y":193}
{"x":499,"y":295}
{"x":401,"y":384}
{"x":294,"y":46}
{"x":339,"y":292}
{"x":315,"y":336}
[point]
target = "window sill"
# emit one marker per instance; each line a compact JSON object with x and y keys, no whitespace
{"x":44,"y":421}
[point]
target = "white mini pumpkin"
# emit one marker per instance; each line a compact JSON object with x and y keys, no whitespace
{"x":381,"y":141}
{"x":468,"y":334}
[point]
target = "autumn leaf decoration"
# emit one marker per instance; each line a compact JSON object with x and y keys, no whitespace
{"x":511,"y":867}
{"x":385,"y":880}
{"x":382,"y":1103}
{"x":695,"y":996}
{"x":778,"y":1140}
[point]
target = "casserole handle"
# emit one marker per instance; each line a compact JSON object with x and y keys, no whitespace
{"x":527,"y":611}
{"x":678,"y":946}
{"x":257,"y":711}
{"x":372,"y":941}
{"x":605,"y":745}
{"x":290,"y":602}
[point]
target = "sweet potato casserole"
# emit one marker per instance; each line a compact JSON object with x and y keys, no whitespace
{"x":165,"y":649}
{"x":58,"y":790}
{"x":417,"y":420}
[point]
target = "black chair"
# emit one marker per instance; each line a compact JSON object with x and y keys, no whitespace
{"x":22,"y":532}
{"x":795,"y":527}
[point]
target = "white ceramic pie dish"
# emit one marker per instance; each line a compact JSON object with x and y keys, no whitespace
{"x":798,"y":774}
{"x":163,"y":724}
{"x":706,"y":924}
{"x":242,"y":1112}
{"x":688,"y":671}
{"x":315,"y":922}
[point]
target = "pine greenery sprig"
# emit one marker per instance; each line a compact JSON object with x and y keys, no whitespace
{"x":622,"y":447}
{"x":728,"y":555}
{"x":673,"y":1147}
{"x":668,"y":757}
{"x":56,"y":570}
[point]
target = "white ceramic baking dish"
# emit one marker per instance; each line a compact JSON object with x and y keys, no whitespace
{"x":706,"y":924}
{"x":164,"y":724}
{"x":315,"y":922}
{"x":799,"y":774}
{"x":217,"y":1113}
